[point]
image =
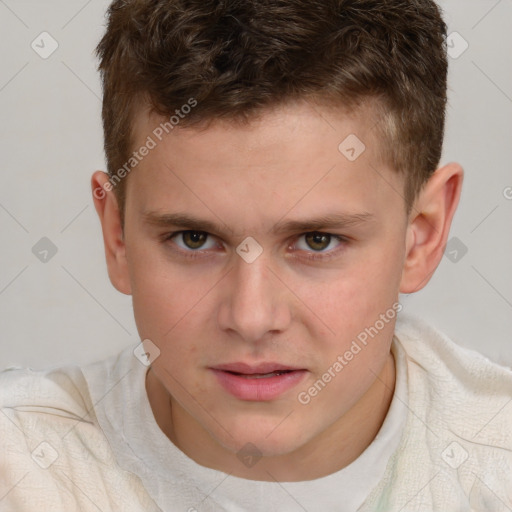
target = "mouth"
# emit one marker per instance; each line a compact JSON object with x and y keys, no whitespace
{"x":262,"y":382}
{"x":256,"y":369}
{"x":261,"y":375}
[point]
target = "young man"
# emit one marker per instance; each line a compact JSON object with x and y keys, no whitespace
{"x":272,"y":186}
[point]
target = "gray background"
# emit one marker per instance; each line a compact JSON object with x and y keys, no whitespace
{"x":65,"y":310}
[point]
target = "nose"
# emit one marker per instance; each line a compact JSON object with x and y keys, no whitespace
{"x":254,"y":303}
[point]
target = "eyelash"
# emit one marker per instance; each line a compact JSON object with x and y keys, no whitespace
{"x":311,"y":256}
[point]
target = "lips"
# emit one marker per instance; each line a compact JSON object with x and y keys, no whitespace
{"x":259,"y":369}
{"x":261,"y":375}
{"x":261,"y":382}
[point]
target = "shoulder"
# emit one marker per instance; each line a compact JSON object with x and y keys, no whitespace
{"x":445,"y":365}
{"x":458,"y":387}
{"x":456,"y":448}
{"x":460,"y":417}
{"x":54,"y":454}
{"x":62,"y":391}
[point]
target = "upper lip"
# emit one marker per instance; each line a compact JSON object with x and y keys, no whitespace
{"x":249,"y":369}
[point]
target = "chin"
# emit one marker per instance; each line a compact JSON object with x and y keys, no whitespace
{"x":268,"y":441}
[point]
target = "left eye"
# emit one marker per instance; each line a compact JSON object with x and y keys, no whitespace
{"x":317,"y":241}
{"x":193,"y":240}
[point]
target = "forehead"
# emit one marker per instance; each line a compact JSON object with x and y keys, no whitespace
{"x":282,"y":124}
{"x":298,"y":153}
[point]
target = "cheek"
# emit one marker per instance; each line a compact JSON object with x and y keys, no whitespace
{"x":168,"y":314}
{"x":354,"y":298}
{"x":361,"y":312}
{"x":172,"y":308}
{"x":375,"y":276}
{"x":361,"y":295}
{"x":162,"y":293}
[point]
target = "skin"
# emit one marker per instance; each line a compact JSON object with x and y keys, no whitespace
{"x":216,"y":308}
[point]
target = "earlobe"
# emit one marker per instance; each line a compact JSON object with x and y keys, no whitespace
{"x":106,"y":206}
{"x":429,"y":225}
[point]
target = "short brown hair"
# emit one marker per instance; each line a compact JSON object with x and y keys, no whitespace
{"x":238,"y":57}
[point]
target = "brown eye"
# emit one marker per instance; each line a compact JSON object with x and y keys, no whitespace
{"x":194,"y":239}
{"x":317,"y":241}
{"x":193,"y":243}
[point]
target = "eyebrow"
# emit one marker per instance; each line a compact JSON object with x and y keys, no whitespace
{"x":184,"y":220}
{"x":328,"y":221}
{"x":323,"y":222}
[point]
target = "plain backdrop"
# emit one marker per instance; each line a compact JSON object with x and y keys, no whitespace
{"x":64,"y":310}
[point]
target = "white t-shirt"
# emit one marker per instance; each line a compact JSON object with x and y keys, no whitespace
{"x":85,"y":439}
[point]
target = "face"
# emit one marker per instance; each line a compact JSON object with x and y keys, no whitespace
{"x":257,"y":256}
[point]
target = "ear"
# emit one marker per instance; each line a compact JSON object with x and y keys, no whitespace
{"x":429,"y":225}
{"x":106,"y":206}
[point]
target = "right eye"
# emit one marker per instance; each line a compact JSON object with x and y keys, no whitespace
{"x":192,"y":240}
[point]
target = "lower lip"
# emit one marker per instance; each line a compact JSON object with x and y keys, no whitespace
{"x":259,"y":389}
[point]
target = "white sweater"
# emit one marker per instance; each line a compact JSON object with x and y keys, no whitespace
{"x":84,"y":439}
